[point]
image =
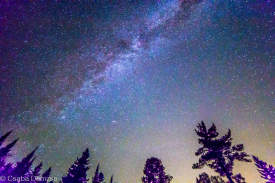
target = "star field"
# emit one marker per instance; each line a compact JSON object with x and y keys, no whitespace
{"x":131,"y":79}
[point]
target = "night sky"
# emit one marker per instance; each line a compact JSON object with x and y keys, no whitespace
{"x":131,"y":79}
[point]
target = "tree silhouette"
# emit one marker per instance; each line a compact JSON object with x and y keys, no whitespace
{"x":154,"y":172}
{"x":76,"y":174}
{"x":239,"y":178}
{"x":78,"y":171}
{"x":216,"y":179}
{"x":99,"y":176}
{"x":204,"y":178}
{"x":37,"y":169}
{"x":24,"y":167}
{"x":218,"y":153}
{"x":35,"y":173}
{"x":46,"y":175}
{"x":267,"y":171}
{"x":5,"y":167}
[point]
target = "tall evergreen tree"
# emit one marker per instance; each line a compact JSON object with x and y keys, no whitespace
{"x":37,"y":169}
{"x":35,"y":173}
{"x":78,"y":171}
{"x":218,"y":153}
{"x":46,"y":175}
{"x":267,"y":171}
{"x":5,"y":167}
{"x":154,"y":172}
{"x":99,"y":176}
{"x":4,"y":137}
{"x":4,"y":151}
{"x":24,"y":167}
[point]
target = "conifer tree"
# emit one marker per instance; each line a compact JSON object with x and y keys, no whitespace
{"x":238,"y":178}
{"x":34,"y":174}
{"x":37,"y":169}
{"x":154,"y":172}
{"x":267,"y":171}
{"x":24,"y":167}
{"x":205,"y":178}
{"x":4,"y":151}
{"x":45,"y":175}
{"x":99,"y":176}
{"x":216,"y":179}
{"x":218,"y":153}
{"x":4,"y":137}
{"x":5,"y":167}
{"x":78,"y":171}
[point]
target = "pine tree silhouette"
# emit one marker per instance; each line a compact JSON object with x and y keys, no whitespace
{"x":218,"y":153}
{"x":267,"y":171}
{"x":204,"y":178}
{"x":5,"y":167}
{"x":239,"y":178}
{"x":45,"y":175}
{"x":216,"y":179}
{"x":78,"y":171}
{"x":154,"y":172}
{"x":99,"y":176}
{"x":37,"y":169}
{"x":35,"y":174}
{"x":24,"y":167}
{"x":3,"y":138}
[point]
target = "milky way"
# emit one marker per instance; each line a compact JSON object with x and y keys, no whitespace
{"x":131,"y":79}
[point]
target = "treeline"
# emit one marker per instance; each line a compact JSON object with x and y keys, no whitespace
{"x":216,"y":152}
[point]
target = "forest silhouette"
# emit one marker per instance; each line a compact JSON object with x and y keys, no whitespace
{"x":216,"y":152}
